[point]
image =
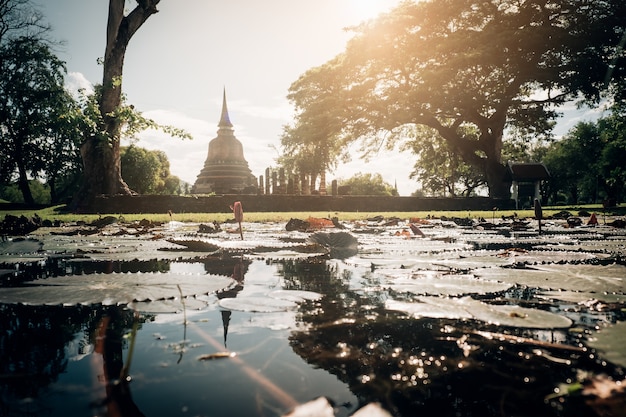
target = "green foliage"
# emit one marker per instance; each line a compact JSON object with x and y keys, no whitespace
{"x":440,"y":170}
{"x":38,"y":117}
{"x":13,"y":194}
{"x":587,"y":165}
{"x":148,"y":172}
{"x":132,"y":122}
{"x":469,"y":70}
{"x":312,"y":145}
{"x":368,"y":184}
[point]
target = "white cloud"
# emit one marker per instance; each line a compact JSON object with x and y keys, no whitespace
{"x":76,"y":81}
{"x":572,"y":115}
{"x":187,"y":156}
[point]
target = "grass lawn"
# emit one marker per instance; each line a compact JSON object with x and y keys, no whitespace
{"x":58,"y":213}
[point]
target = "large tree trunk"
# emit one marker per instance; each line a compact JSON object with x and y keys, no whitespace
{"x":499,"y":186}
{"x":496,"y":172}
{"x":101,"y":159}
{"x":23,"y":184}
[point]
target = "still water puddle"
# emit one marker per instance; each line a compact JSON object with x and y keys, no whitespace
{"x":452,"y":322}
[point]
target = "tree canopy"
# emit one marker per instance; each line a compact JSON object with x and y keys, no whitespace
{"x":587,"y":164}
{"x":148,"y":172}
{"x":37,"y":115}
{"x":460,"y":66}
{"x":368,"y":184}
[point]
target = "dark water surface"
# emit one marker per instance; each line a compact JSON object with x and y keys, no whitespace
{"x":360,"y":341}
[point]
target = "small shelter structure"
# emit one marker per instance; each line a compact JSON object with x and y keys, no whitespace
{"x":225,"y":169}
{"x":526,"y":181}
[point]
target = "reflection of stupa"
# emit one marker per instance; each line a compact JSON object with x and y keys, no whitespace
{"x":225,"y":170}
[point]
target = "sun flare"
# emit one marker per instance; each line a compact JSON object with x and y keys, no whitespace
{"x":367,"y":9}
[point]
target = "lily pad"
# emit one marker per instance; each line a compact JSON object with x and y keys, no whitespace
{"x":580,"y":297}
{"x":611,"y":341}
{"x":295,"y":295}
{"x":321,"y":407}
{"x":175,"y":305}
{"x":341,"y":244}
{"x":432,"y":307}
{"x":438,"y":283}
{"x":470,"y":260}
{"x":257,"y":304}
{"x":196,"y":245}
{"x":113,"y":289}
{"x":468,"y":308}
{"x":20,"y":246}
{"x":585,"y":278}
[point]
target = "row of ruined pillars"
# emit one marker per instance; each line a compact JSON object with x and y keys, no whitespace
{"x":278,"y":182}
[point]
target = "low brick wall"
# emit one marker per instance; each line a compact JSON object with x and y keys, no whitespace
{"x":278,"y":203}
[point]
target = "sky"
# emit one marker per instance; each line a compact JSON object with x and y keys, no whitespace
{"x":180,"y":61}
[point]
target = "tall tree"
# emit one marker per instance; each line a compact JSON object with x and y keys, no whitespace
{"x":458,"y":64}
{"x":311,"y":145}
{"x":101,"y":151}
{"x":33,"y":106}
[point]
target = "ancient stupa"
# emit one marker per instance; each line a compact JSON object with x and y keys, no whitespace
{"x":225,"y":170}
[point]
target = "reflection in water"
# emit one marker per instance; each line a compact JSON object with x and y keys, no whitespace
{"x":33,"y":353}
{"x":60,"y":266}
{"x":238,"y":272}
{"x":430,"y":366}
{"x":32,"y":348}
{"x":109,"y":343}
{"x":412,"y":366}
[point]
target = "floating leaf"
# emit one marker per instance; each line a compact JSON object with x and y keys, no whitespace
{"x":257,"y":304}
{"x":295,"y":295}
{"x":580,"y":297}
{"x":196,"y":245}
{"x":113,"y":289}
{"x":216,"y":355}
{"x":339,"y":240}
{"x":433,"y":307}
{"x":168,"y":306}
{"x":20,"y":246}
{"x":587,"y":278}
{"x":303,"y":250}
{"x":319,"y":407}
{"x":440,"y":283}
{"x":341,"y":244}
{"x":468,"y":308}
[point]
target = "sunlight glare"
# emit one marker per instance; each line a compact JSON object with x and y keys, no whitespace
{"x":368,"y":9}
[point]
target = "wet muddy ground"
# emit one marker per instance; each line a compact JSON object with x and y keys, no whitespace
{"x":428,"y":317}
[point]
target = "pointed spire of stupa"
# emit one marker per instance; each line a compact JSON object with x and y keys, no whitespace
{"x":225,"y":169}
{"x":224,"y":119}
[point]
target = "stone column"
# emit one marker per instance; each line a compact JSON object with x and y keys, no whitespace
{"x":275,"y":183}
{"x":281,"y":178}
{"x":323,"y":182}
{"x":296,"y":184}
